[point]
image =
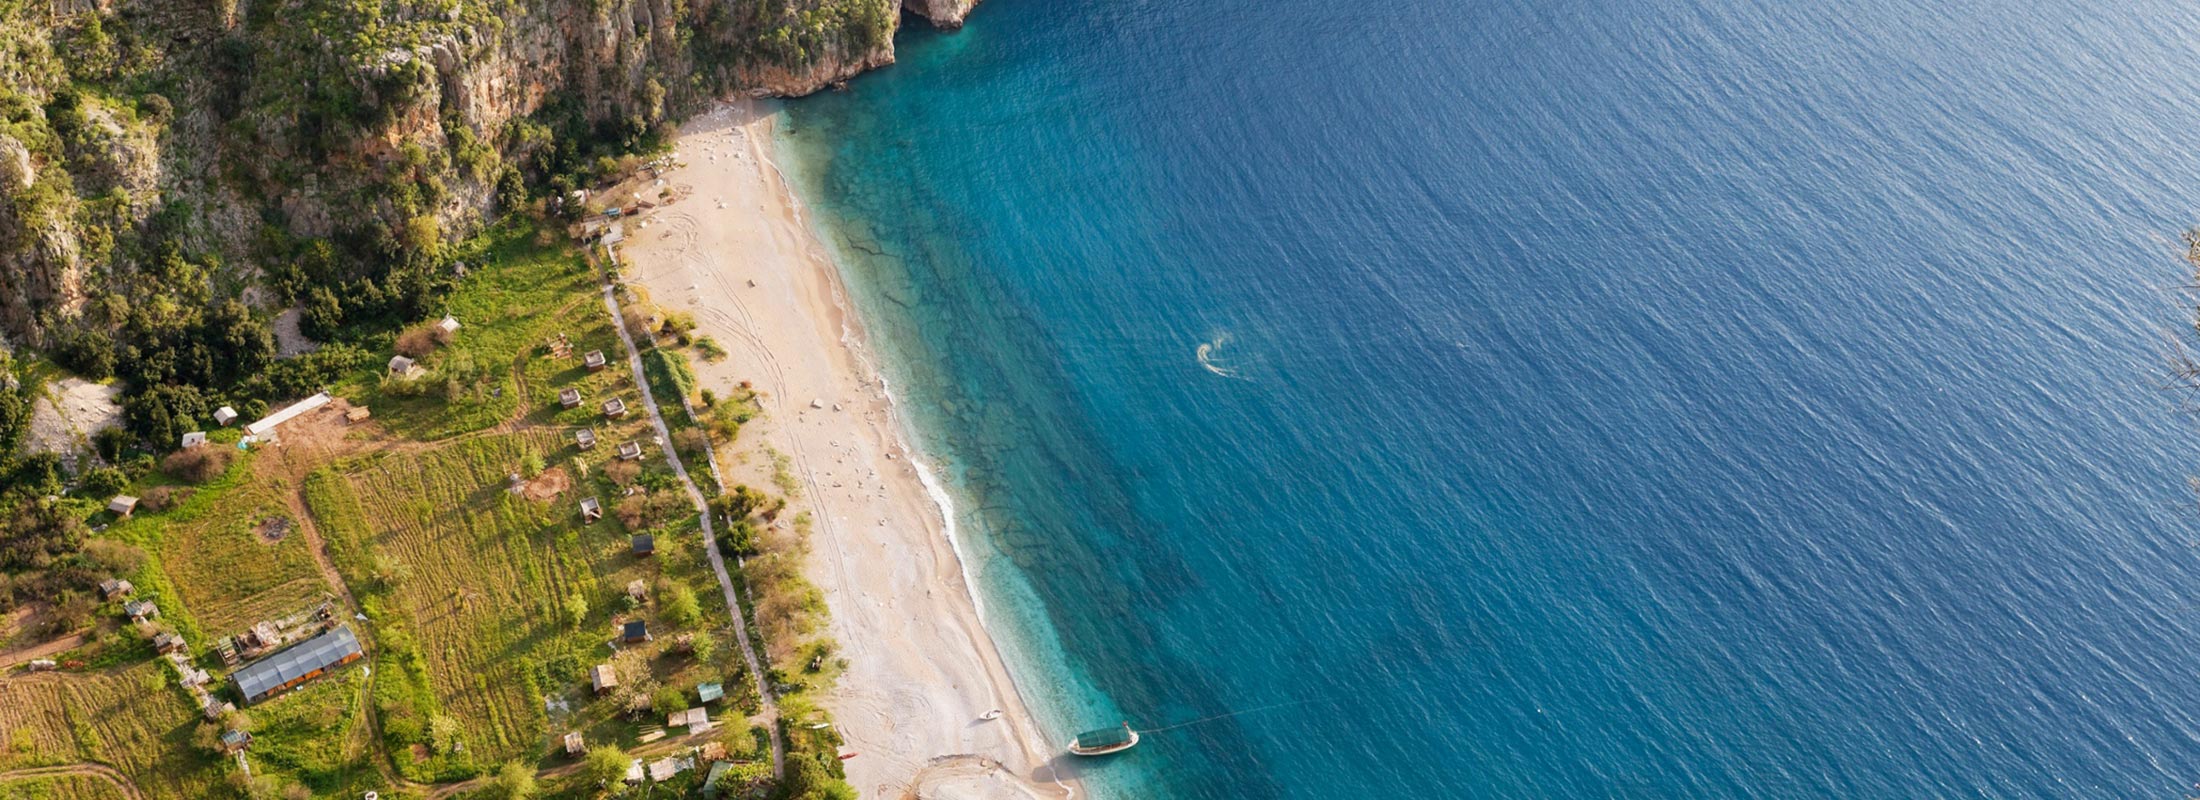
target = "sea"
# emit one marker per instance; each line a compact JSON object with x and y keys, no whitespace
{"x":1555,"y":398}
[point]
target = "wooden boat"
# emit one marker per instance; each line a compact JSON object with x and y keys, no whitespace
{"x":1104,"y":741}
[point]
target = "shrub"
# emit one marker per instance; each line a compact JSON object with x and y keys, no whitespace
{"x":689,"y":441}
{"x":103,"y":482}
{"x":710,"y":350}
{"x":419,"y":340}
{"x":162,"y":498}
{"x":198,"y":464}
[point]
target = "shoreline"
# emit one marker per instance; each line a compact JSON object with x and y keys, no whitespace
{"x":922,"y":667}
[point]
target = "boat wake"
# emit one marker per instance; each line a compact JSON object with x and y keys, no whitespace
{"x":1211,"y":352}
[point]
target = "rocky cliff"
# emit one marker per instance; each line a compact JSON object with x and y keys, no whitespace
{"x":943,"y":14}
{"x":230,"y":133}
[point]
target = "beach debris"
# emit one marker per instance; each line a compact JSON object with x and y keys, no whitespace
{"x":817,"y":404}
{"x":836,"y":406}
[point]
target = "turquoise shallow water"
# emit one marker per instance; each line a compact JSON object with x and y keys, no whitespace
{"x":1672,"y":399}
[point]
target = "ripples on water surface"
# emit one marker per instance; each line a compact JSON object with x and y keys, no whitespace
{"x":1659,"y":399}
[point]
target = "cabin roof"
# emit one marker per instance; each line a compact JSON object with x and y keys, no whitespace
{"x":288,"y":413}
{"x":319,"y":652}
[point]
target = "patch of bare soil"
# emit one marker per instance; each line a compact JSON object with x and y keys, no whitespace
{"x":290,"y":339}
{"x":70,"y":410}
{"x":551,"y":483}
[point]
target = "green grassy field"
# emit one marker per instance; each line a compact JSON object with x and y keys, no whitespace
{"x":228,"y":575}
{"x":523,"y":288}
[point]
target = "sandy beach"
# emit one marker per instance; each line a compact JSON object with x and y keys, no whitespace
{"x":922,"y":670}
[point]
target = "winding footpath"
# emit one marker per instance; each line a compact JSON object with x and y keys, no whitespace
{"x":702,"y":507}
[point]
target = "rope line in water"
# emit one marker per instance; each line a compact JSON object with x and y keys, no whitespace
{"x":1229,"y":714}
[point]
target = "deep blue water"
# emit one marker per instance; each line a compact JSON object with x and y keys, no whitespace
{"x":1656,"y":399}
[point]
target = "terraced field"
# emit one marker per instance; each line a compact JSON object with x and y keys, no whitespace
{"x":66,"y":786}
{"x":127,"y":719}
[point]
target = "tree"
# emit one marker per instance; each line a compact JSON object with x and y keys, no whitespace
{"x":704,"y":645}
{"x":514,"y":781}
{"x":668,"y":701}
{"x":738,"y":503}
{"x":605,"y":765}
{"x":809,"y":779}
{"x":677,"y":604}
{"x":576,"y":609}
{"x":321,"y":313}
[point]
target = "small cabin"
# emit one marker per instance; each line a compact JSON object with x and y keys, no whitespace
{"x":122,"y":505}
{"x":585,"y":438}
{"x":630,"y":451}
{"x":194,"y":439}
{"x":635,"y":632}
{"x":644,"y":544}
{"x":448,"y":326}
{"x":115,"y":587}
{"x":574,"y":744}
{"x":665,"y":769}
{"x":234,"y":741}
{"x":591,"y":510}
{"x":225,"y":415}
{"x":593,"y":360}
{"x":569,"y":397}
{"x":637,"y":589}
{"x":167,"y":642}
{"x":141,"y":610}
{"x":402,"y":366}
{"x":710,"y":692}
{"x":216,"y":708}
{"x":614,"y":408}
{"x":602,"y":678}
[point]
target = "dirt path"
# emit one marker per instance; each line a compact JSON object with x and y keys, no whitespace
{"x":45,"y":650}
{"x":86,"y":769}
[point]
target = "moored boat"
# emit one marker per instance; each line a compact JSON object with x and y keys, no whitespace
{"x":1104,"y":741}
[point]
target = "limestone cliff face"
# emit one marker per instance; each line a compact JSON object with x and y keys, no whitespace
{"x":327,"y":118}
{"x":943,"y":14}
